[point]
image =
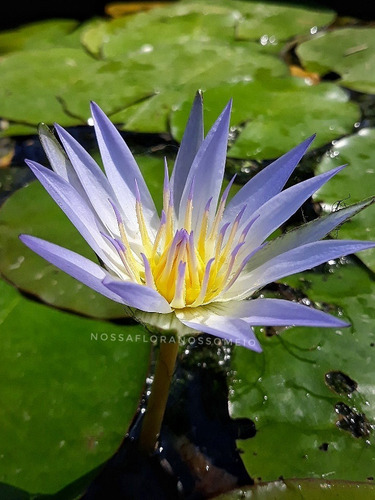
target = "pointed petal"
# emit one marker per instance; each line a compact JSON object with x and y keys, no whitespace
{"x":122,"y":171}
{"x":282,"y":206}
{"x":74,"y":206}
{"x":277,"y":312}
{"x":292,"y":262}
{"x":138,"y":296}
{"x":57,"y":157}
{"x":267,"y":183}
{"x":190,"y":144}
{"x":93,"y":180}
{"x":207,"y":169}
{"x":80,"y":268}
{"x":307,"y":233}
{"x":211,"y":319}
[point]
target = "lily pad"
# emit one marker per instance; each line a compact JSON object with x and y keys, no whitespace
{"x":219,"y":20}
{"x":275,"y":23}
{"x":163,"y":55}
{"x":176,"y":72}
{"x":310,"y":489}
{"x":355,"y":182}
{"x":70,"y":387}
{"x":40,"y":35}
{"x":179,"y":23}
{"x":275,"y":114}
{"x":319,"y":430}
{"x":350,"y":52}
{"x":62,"y":93}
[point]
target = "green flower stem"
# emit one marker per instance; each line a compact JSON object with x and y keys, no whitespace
{"x":158,"y":398}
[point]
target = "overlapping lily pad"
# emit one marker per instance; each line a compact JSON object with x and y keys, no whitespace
{"x":41,"y":35}
{"x":70,"y":387}
{"x":30,"y":94}
{"x":215,"y":20}
{"x":140,"y":68}
{"x":354,"y":183}
{"x":350,"y":52}
{"x":320,"y":429}
{"x":272,"y":23}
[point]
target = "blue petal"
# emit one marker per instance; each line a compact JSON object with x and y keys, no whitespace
{"x":92,"y":179}
{"x":266,"y":183}
{"x":82,"y":269}
{"x":74,"y":206}
{"x":207,"y":170}
{"x":282,"y":206}
{"x":277,"y":312}
{"x":307,"y":233}
{"x":190,"y":144}
{"x":122,"y":171}
{"x":138,"y":296}
{"x":292,"y":262}
{"x":209,"y":319}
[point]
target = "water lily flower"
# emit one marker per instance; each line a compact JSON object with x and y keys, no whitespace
{"x":195,"y":266}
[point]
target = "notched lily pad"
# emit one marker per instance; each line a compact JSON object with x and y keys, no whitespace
{"x":273,"y":23}
{"x":70,"y":387}
{"x":349,"y":52}
{"x":62,"y":94}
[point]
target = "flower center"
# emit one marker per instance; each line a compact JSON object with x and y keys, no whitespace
{"x":187,"y":268}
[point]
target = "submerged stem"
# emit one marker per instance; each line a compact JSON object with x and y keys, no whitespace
{"x":159,"y":394}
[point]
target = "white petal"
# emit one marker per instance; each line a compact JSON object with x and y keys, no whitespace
{"x":213,"y":320}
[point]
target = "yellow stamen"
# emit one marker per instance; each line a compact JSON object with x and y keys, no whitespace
{"x":185,"y":271}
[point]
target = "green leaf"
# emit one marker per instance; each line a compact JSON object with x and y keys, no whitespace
{"x":178,"y":71}
{"x":354,"y":183}
{"x":70,"y":387}
{"x":321,"y":430}
{"x":62,"y":93}
{"x":273,"y":23}
{"x":308,"y":489}
{"x":350,"y":52}
{"x":40,"y":35}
